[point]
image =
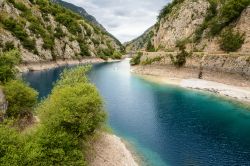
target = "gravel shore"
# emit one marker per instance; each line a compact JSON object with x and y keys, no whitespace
{"x":233,"y":86}
{"x":109,"y":150}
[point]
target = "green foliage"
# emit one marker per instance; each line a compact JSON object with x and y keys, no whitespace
{"x":49,"y":146}
{"x":231,"y":41}
{"x":84,"y":50}
{"x":180,"y":59}
{"x":150,"y":47}
{"x":136,"y":60}
{"x":116,"y":55}
{"x":8,"y":46}
{"x":103,"y":57}
{"x":105,"y":53}
{"x":69,"y":22}
{"x":229,"y":11}
{"x":216,"y":20}
{"x":70,"y":114}
{"x":73,"y":76}
{"x":68,"y":117}
{"x":18,"y":5}
{"x":150,"y":61}
{"x":10,"y":147}
{"x":39,"y":29}
{"x":232,"y":9}
{"x":8,"y":60}
{"x":211,"y":13}
{"x":21,"y":98}
{"x":17,"y":30}
{"x":168,"y":8}
{"x":59,"y":32}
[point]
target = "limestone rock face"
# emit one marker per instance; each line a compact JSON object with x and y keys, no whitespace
{"x":222,"y":63}
{"x":180,"y":23}
{"x":243,"y":25}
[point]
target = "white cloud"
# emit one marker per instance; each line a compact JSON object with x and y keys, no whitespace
{"x":125,"y":19}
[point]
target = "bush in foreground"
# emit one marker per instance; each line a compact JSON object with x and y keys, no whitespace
{"x":21,"y":98}
{"x":69,"y":116}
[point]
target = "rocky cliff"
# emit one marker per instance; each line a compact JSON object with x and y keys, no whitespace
{"x":45,"y":31}
{"x":199,"y":24}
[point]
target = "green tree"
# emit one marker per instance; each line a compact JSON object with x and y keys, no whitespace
{"x":21,"y":98}
{"x":69,"y":116}
{"x":231,"y":41}
{"x":8,"y":60}
{"x":136,"y":60}
{"x":116,"y":55}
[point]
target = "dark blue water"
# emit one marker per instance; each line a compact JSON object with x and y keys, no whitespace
{"x":166,"y":125}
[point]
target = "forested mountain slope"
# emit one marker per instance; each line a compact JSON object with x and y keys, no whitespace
{"x":45,"y":31}
{"x":80,"y":11}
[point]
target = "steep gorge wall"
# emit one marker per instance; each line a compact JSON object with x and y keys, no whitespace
{"x":181,"y":24}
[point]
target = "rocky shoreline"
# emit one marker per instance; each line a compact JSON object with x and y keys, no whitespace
{"x":39,"y":66}
{"x":233,"y":86}
{"x":110,"y":150}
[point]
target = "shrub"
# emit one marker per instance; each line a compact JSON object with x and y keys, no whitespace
{"x":70,"y":114}
{"x":231,"y":41}
{"x":150,"y":61}
{"x":232,"y":9}
{"x":18,"y":5}
{"x":116,"y":55}
{"x":11,"y":147}
{"x":17,"y":30}
{"x":69,"y":22}
{"x":48,"y":42}
{"x":84,"y":49}
{"x":180,"y":59}
{"x":8,"y":61}
{"x":8,"y":46}
{"x":211,"y":14}
{"x":136,"y":59}
{"x":37,"y":28}
{"x":21,"y":98}
{"x":59,"y":32}
{"x":50,"y":146}
{"x":150,"y":47}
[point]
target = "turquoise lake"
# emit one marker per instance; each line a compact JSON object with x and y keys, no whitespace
{"x":167,"y":125}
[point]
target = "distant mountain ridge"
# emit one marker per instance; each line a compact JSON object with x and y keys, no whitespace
{"x":80,"y":11}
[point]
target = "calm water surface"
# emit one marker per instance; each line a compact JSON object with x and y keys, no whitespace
{"x":166,"y":125}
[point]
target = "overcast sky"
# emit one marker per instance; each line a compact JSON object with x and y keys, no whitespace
{"x":125,"y":19}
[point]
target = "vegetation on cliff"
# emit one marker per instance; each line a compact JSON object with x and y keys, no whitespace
{"x":136,"y":60}
{"x":59,"y":31}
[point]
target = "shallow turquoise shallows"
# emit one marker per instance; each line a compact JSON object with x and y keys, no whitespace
{"x":165,"y":124}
